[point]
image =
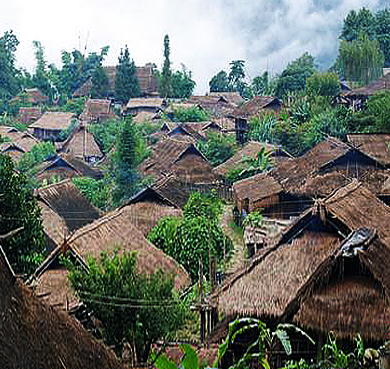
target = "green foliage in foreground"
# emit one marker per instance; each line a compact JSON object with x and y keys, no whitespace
{"x":194,"y":237}
{"x":39,"y":153}
{"x":98,"y":192}
{"x":133,"y":307}
{"x":218,"y":148}
{"x":18,"y":208}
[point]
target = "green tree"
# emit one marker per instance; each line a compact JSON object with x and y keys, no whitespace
{"x":100,"y":83}
{"x":237,"y":75}
{"x":357,"y":23}
{"x":126,"y":176}
{"x":196,"y":237}
{"x":126,"y":81}
{"x":262,"y":128}
{"x":9,"y":85}
{"x":323,"y":84}
{"x":133,"y":307}
{"x":38,"y":154}
{"x":382,"y":29}
{"x":182,"y":84}
{"x":192,"y":114}
{"x":40,"y":77}
{"x":378,"y":107}
{"x":218,"y":148}
{"x":166,"y":74}
{"x":360,"y":60}
{"x":293,"y":78}
{"x":18,"y":208}
{"x":219,"y":82}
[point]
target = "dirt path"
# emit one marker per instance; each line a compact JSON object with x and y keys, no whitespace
{"x":238,"y":258}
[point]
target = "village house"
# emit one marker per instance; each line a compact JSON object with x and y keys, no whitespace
{"x":82,"y":145}
{"x":147,"y":81}
{"x":97,"y":110}
{"x":326,"y":272}
{"x":28,"y":115}
{"x":151,"y":105}
{"x":217,"y":105}
{"x":257,"y":106}
{"x":65,"y":167}
{"x":40,"y":336}
{"x":50,"y":125}
{"x":31,"y":96}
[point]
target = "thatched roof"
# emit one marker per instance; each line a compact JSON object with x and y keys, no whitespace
{"x":96,"y":109}
{"x":297,"y":274}
{"x":82,"y":145}
{"x":145,"y":215}
{"x":66,"y":166}
{"x":117,"y":230}
{"x":146,"y":102}
{"x":216,"y":105}
{"x":256,"y":187}
{"x":231,"y":97}
{"x":32,"y":96}
{"x":380,"y":84}
{"x":69,"y":203}
{"x":257,"y":105}
{"x":250,"y":149}
{"x":145,"y":116}
{"x":54,"y":226}
{"x":150,"y":195}
{"x":191,"y":132}
{"x":376,"y":145}
{"x":181,"y":158}
{"x":35,"y":335}
{"x":53,"y":121}
{"x":24,"y":140}
{"x":28,"y":115}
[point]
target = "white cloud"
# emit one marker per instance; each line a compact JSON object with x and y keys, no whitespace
{"x":205,"y":35}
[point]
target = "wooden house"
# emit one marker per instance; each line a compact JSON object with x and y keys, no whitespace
{"x":50,"y":125}
{"x":24,"y":140}
{"x":374,"y":145}
{"x":64,"y":167}
{"x":216,"y":105}
{"x":82,"y":145}
{"x":97,"y":110}
{"x":189,"y":132}
{"x":32,"y":96}
{"x":148,"y":105}
{"x":326,"y":272}
{"x":181,"y":158}
{"x":13,"y":150}
{"x":233,"y":98}
{"x":147,"y":81}
{"x":36,"y":335}
{"x":257,"y":106}
{"x":28,"y":115}
{"x":69,"y":203}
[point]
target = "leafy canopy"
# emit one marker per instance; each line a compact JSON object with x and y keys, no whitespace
{"x":18,"y":208}
{"x":133,"y":307}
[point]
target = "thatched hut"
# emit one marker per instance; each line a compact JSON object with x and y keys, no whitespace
{"x":334,"y":258}
{"x":69,"y":203}
{"x":35,"y":335}
{"x":97,"y":110}
{"x":50,"y":125}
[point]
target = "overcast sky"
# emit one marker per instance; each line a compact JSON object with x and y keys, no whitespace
{"x":204,"y":35}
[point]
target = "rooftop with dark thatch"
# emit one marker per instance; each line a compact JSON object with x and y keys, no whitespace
{"x":326,"y":271}
{"x":375,"y":145}
{"x":68,"y":202}
{"x":96,"y":110}
{"x":257,"y":105}
{"x":36,"y":335}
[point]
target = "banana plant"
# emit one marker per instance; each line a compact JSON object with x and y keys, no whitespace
{"x":261,"y":349}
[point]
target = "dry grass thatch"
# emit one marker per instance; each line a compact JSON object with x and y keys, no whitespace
{"x":23,"y":140}
{"x":118,"y":230}
{"x":96,"y":110}
{"x":215,"y":105}
{"x":257,"y":105}
{"x":149,"y":102}
{"x":82,"y":145}
{"x":257,"y":187}
{"x":29,"y":115}
{"x":380,"y":84}
{"x":376,"y":145}
{"x":233,"y":98}
{"x":183,"y":159}
{"x":53,"y":121}
{"x":35,"y":335}
{"x":323,"y":185}
{"x":69,"y":203}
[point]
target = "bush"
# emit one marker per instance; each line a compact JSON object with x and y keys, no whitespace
{"x":39,"y":153}
{"x":193,"y":114}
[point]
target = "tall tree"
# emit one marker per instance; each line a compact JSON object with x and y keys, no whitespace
{"x":126,"y":161}
{"x":293,"y":78}
{"x":382,"y":29}
{"x":237,"y":75}
{"x":356,"y":23}
{"x":40,"y":77}
{"x":166,"y":74}
{"x":219,"y":82}
{"x":9,"y":85}
{"x":126,"y":81}
{"x":100,"y":83}
{"x":360,"y":61}
{"x":18,"y":208}
{"x":182,"y":84}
